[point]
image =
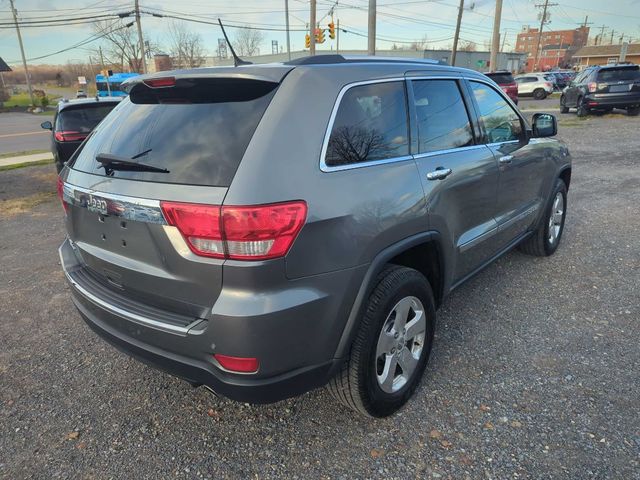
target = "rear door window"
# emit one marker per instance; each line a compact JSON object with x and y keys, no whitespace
{"x":611,"y":75}
{"x":501,"y":122}
{"x":371,"y":124}
{"x":82,"y":119}
{"x":197,"y":130}
{"x":443,"y":122}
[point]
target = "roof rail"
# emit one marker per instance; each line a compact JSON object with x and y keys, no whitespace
{"x":334,"y":59}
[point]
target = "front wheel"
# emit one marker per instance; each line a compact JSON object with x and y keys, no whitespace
{"x":633,"y":111}
{"x":539,"y":94}
{"x":545,"y":239}
{"x":392,"y":345}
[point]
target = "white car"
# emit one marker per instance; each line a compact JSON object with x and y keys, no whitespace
{"x":539,"y":85}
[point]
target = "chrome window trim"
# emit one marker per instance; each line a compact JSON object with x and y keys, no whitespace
{"x":325,"y":143}
{"x":130,"y":208}
{"x":418,"y":156}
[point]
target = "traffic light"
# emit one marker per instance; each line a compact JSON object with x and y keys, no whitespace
{"x":332,"y":30}
{"x":307,"y":41}
{"x":319,"y":35}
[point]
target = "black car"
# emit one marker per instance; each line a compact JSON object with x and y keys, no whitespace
{"x":73,"y":122}
{"x":602,"y":88}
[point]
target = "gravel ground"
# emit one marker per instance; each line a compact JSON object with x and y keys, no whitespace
{"x":534,"y":373}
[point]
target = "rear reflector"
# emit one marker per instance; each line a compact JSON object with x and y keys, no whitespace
{"x":160,"y":82}
{"x":257,"y":232}
{"x":237,"y":364}
{"x":69,"y":136}
{"x":60,"y":189}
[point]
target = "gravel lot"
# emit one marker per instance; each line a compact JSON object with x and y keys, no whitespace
{"x":535,"y":371}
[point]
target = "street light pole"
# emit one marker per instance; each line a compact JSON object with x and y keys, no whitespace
{"x":312,"y":28}
{"x":24,"y":59}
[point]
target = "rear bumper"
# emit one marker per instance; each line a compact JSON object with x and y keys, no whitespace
{"x":294,"y":343}
{"x":613,"y":100}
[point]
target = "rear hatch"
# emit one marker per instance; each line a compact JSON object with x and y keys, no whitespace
{"x":620,"y":80}
{"x":178,"y":140}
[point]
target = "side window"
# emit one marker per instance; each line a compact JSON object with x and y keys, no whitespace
{"x":501,"y":122}
{"x":371,"y":124}
{"x":443,"y":122}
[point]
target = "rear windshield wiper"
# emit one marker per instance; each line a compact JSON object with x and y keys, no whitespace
{"x":114,"y":162}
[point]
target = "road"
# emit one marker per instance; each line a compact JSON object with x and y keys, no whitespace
{"x":534,"y":372}
{"x":20,"y":132}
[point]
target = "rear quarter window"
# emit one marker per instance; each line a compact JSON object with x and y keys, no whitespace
{"x":198,"y":132}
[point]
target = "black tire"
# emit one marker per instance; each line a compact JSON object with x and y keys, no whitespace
{"x":582,"y":110}
{"x":539,"y":94}
{"x":633,"y":111}
{"x":59,"y":166}
{"x":563,"y":106}
{"x":539,"y":243}
{"x":356,"y":385}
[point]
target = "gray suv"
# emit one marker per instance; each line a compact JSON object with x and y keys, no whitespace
{"x":265,"y":230}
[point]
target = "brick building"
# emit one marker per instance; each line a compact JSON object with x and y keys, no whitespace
{"x":556,"y":46}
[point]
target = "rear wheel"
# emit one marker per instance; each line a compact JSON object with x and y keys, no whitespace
{"x":392,"y":345}
{"x":546,"y":237}
{"x":582,"y":110}
{"x":563,"y":105}
{"x":633,"y":111}
{"x":539,"y":94}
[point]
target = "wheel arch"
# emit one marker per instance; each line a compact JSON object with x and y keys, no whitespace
{"x":565,"y":176}
{"x":422,"y":252}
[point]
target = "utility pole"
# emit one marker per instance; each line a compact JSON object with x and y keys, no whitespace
{"x":104,"y":72}
{"x":601,"y":36}
{"x":457,"y":34}
{"x":286,"y":13}
{"x":504,"y":40}
{"x":24,"y":59}
{"x":495,"y":42}
{"x":312,"y":28}
{"x":543,"y":19}
{"x":338,"y":36}
{"x":371,"y":33}
{"x":612,"y":32}
{"x":142,"y":53}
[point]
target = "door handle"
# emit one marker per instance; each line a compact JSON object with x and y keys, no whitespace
{"x":439,"y":173}
{"x":506,"y":160}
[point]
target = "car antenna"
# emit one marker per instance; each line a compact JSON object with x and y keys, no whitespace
{"x":236,"y":59}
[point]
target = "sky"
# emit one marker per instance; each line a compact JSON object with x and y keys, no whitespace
{"x":398,"y":21}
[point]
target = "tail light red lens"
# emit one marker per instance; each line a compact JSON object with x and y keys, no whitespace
{"x":60,"y":189}
{"x":592,"y":87}
{"x":548,"y":84}
{"x":257,"y":232}
{"x":69,"y":136}
{"x":160,"y":82}
{"x":237,"y":364}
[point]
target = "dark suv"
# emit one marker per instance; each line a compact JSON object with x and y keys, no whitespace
{"x":231,"y":228}
{"x":73,"y":122}
{"x":600,"y":89}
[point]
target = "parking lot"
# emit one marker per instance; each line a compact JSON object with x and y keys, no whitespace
{"x":534,"y":372}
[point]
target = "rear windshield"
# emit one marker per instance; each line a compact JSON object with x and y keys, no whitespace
{"x":197,"y":130}
{"x":501,"y":78}
{"x":619,"y":74}
{"x":82,"y":119}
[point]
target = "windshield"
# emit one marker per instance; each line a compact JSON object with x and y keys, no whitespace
{"x":198,"y":133}
{"x":501,"y":78}
{"x":82,"y":119}
{"x":619,"y":74}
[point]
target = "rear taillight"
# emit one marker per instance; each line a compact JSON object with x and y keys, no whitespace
{"x":60,"y":188}
{"x":237,"y":364}
{"x":162,"y":82}
{"x":592,"y":86}
{"x":548,"y":84}
{"x":69,"y":136}
{"x":257,"y":232}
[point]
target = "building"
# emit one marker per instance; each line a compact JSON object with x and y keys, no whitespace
{"x":474,"y":60}
{"x":556,"y":46}
{"x":606,"y":54}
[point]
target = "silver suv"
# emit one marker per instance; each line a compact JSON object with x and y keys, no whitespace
{"x":537,"y":85}
{"x":268,"y":229}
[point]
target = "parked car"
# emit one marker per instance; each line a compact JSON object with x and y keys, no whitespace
{"x":600,"y":89}
{"x":538,"y":85}
{"x":560,"y":80}
{"x":81,"y":94}
{"x":220,"y":232}
{"x":505,"y":81}
{"x":73,"y":121}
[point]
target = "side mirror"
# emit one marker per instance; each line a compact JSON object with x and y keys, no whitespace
{"x":544,"y":125}
{"x":47,"y":125}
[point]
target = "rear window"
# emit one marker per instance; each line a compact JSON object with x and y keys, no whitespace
{"x":198,"y":130}
{"x":82,"y":119}
{"x":500,"y":78}
{"x":619,"y":74}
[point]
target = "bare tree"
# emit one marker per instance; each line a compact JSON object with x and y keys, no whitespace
{"x":417,"y":45}
{"x":120,"y":46}
{"x":468,"y":46}
{"x":187,"y":49}
{"x":247,"y":42}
